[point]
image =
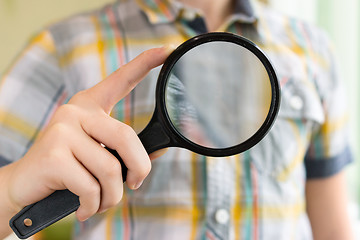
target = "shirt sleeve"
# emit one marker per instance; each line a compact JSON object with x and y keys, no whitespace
{"x":29,"y":92}
{"x":329,"y":150}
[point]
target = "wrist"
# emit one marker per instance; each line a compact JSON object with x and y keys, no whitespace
{"x":7,"y":207}
{"x":7,"y":204}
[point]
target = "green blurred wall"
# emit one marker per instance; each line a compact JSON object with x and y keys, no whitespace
{"x":341,"y":19}
{"x":20,"y":19}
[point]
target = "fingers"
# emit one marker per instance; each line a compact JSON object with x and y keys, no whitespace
{"x":116,"y":86}
{"x":123,"y":139}
{"x":103,"y":165}
{"x":88,"y":190}
{"x":74,"y":176}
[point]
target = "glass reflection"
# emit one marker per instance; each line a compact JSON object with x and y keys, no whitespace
{"x":218,"y":94}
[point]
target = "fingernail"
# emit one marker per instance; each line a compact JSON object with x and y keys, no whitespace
{"x":102,"y":211}
{"x":158,"y":153}
{"x":81,"y":218}
{"x":169,"y":48}
{"x":137,"y":185}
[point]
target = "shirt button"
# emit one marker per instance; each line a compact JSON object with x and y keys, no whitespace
{"x":189,"y":15}
{"x":296,"y":102}
{"x":222,"y":216}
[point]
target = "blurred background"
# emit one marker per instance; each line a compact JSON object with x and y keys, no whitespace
{"x":21,"y":19}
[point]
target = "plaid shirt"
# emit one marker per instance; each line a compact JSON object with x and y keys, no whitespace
{"x":258,"y":194}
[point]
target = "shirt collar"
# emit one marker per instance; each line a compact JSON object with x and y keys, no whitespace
{"x":165,"y":11}
{"x":244,"y":11}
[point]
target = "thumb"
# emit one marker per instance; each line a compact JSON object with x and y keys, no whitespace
{"x":117,"y":85}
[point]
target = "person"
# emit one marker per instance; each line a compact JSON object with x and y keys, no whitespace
{"x":289,"y":186}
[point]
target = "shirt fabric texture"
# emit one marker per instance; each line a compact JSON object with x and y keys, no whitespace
{"x":259,"y":194}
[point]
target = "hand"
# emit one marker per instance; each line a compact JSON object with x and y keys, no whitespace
{"x":69,"y":155}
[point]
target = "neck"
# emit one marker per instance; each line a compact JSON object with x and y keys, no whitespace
{"x":215,"y":12}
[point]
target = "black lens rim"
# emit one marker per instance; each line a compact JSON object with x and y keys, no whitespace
{"x":177,"y":138}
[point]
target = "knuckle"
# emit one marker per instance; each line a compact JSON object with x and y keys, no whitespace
{"x":113,"y":170}
{"x":92,"y":190}
{"x":90,"y":196}
{"x":109,"y":203}
{"x":58,"y":134}
{"x":67,"y":109}
{"x":59,"y":129}
{"x":113,"y":200}
{"x":79,"y":96}
{"x":126,"y":132}
{"x":54,"y":162}
{"x":93,"y":121}
{"x":66,"y":112}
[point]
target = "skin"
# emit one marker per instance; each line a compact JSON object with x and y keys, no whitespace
{"x":215,"y":12}
{"x":326,"y":207}
{"x":57,"y":161}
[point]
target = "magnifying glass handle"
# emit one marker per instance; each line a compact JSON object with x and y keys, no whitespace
{"x":42,"y":214}
{"x":37,"y":216}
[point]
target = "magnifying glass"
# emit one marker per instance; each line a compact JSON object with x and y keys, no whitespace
{"x":217,"y":95}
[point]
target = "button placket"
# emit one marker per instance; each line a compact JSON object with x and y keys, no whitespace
{"x":220,"y":186}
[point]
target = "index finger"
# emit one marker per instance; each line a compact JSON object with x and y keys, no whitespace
{"x":117,"y":85}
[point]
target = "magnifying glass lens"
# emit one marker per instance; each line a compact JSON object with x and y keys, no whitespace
{"x":218,"y":95}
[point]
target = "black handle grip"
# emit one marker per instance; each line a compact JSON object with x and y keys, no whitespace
{"x":40,"y":215}
{"x":51,"y":209}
